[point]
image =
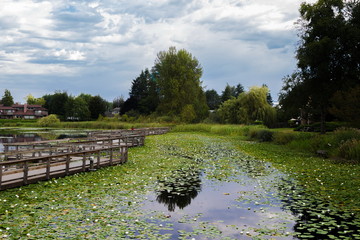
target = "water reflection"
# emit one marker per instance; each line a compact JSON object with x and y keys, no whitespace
{"x":179,"y":189}
{"x":316,"y":218}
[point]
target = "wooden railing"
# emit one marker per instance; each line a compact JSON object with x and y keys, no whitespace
{"x":29,"y":162}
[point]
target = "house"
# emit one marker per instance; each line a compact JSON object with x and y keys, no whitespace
{"x":23,"y":111}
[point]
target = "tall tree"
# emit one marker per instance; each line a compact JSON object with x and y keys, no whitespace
{"x":98,"y":106}
{"x":228,"y":93}
{"x":55,"y":103}
{"x":76,"y":109}
{"x":144,"y":97}
{"x":268,"y":95}
{"x":328,"y":56}
{"x":178,"y":75}
{"x":118,"y":102}
{"x":213,"y":99}
{"x":7,"y":99}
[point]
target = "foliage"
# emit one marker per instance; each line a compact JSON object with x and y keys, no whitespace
{"x":231,"y":91}
{"x":118,"y":102}
{"x":212,"y":99}
{"x":97,"y":106}
{"x":7,"y":99}
{"x":283,"y":138}
{"x":48,"y":121}
{"x":188,"y":114}
{"x":247,"y":108}
{"x":55,"y":103}
{"x":316,"y":127}
{"x":328,"y":57}
{"x":144,"y":97}
{"x":346,"y":105}
{"x":76,"y":108}
{"x":178,"y":76}
{"x":31,"y":100}
{"x":350,"y":150}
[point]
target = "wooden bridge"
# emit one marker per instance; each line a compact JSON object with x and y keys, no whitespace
{"x":29,"y":162}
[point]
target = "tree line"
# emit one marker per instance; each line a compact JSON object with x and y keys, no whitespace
{"x":326,"y":83}
{"x":67,"y":107}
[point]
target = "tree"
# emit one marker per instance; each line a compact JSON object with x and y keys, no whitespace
{"x":268,"y":96}
{"x":231,"y":91}
{"x":118,"y":102}
{"x":7,"y":99}
{"x":55,"y":103}
{"x":228,"y":93}
{"x":212,"y":99}
{"x":328,"y":55}
{"x":98,"y":106}
{"x":77,"y":109}
{"x":346,"y":105}
{"x":248,"y":107}
{"x":178,"y":76}
{"x":31,"y":100}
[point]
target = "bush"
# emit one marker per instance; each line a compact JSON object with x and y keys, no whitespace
{"x":264,"y":135}
{"x":48,"y":121}
{"x":350,"y":150}
{"x":261,"y":135}
{"x":316,"y":127}
{"x":283,"y":137}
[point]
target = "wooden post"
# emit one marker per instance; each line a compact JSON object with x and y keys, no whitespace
{"x":111,"y":156}
{"x":26,"y":172}
{"x":98,"y":159}
{"x":67,"y":165}
{"x":1,"y":170}
{"x":84,"y":162}
{"x":48,"y":168}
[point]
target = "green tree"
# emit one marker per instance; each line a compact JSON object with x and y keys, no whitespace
{"x":328,"y":55}
{"x":77,"y":109}
{"x":31,"y":100}
{"x":213,"y":99}
{"x":248,"y":107}
{"x":228,"y":93}
{"x":98,"y":106}
{"x":55,"y":103}
{"x":231,"y":91}
{"x":346,"y":105}
{"x":7,"y":99}
{"x":178,"y":76}
{"x":118,"y":102}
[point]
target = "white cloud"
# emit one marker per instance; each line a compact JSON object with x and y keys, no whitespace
{"x":248,"y":41}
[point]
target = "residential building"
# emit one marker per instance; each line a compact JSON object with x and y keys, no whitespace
{"x":23,"y":111}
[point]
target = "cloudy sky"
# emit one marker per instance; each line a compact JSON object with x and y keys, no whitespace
{"x":99,"y":47}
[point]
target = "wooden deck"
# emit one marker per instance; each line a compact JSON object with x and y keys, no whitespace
{"x":29,"y":162}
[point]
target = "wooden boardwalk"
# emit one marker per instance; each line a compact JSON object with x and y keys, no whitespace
{"x":30,"y":162}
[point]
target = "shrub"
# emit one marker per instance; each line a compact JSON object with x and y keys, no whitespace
{"x":350,"y":150}
{"x":188,"y":113}
{"x":48,"y":121}
{"x":283,"y":138}
{"x":264,"y":135}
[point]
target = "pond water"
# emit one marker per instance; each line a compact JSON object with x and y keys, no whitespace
{"x":243,"y":198}
{"x":178,"y":186}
